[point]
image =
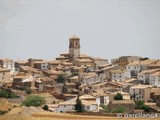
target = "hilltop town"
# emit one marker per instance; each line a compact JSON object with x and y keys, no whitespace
{"x":129,"y":84}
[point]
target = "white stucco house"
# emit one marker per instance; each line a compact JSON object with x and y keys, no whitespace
{"x":42,"y":65}
{"x":91,"y":78}
{"x":119,"y":75}
{"x":144,"y":76}
{"x":106,"y":71}
{"x":4,"y":75}
{"x":138,"y":66}
{"x":155,"y":79}
{"x":104,"y":99}
{"x":137,"y":92}
{"x":67,"y":106}
{"x":90,"y":104}
{"x":8,"y":64}
{"x":134,"y":68}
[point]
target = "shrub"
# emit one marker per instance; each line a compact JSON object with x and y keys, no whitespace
{"x":45,"y":107}
{"x":61,"y":79}
{"x":34,"y":100}
{"x":145,"y":108}
{"x":12,"y":95}
{"x":4,"y":93}
{"x":139,"y":104}
{"x":2,"y":112}
{"x":7,"y":94}
{"x":14,"y":106}
{"x":119,"y":110}
{"x":23,"y":88}
{"x":105,"y":107}
{"x":118,"y":96}
{"x":28,"y":91}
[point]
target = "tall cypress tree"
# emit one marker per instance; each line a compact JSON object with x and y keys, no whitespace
{"x":79,"y":106}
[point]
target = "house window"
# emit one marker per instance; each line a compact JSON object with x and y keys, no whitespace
{"x":134,"y":93}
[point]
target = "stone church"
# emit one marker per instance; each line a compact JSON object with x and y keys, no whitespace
{"x":78,"y":59}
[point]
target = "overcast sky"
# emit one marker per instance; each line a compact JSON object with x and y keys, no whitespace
{"x":107,"y":28}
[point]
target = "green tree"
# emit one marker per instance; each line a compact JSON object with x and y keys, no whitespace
{"x":79,"y":107}
{"x":34,"y":100}
{"x":118,"y":96}
{"x":61,"y":79}
{"x":139,"y":104}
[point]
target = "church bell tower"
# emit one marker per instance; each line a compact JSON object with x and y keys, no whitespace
{"x":74,"y":47}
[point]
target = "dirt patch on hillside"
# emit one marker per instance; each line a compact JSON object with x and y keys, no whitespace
{"x":26,"y":111}
{"x":5,"y":105}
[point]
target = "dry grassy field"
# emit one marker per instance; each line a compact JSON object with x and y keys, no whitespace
{"x":32,"y":113}
{"x":61,"y":116}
